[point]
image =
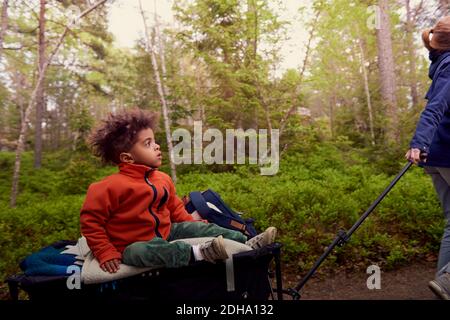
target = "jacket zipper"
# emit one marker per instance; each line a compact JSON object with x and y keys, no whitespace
{"x":155,"y":194}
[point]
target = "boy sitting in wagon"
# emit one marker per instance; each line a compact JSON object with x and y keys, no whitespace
{"x":133,"y":215}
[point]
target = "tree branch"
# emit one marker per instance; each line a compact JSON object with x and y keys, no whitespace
{"x":4,"y":24}
{"x":24,"y":125}
{"x":291,"y":110}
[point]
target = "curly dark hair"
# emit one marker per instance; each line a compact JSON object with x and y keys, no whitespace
{"x":118,"y":133}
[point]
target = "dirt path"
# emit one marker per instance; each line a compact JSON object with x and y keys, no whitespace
{"x":405,"y":283}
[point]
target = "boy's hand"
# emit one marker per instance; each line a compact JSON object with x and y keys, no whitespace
{"x":111,"y":266}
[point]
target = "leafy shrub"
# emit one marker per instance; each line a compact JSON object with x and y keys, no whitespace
{"x":78,"y":175}
{"x":314,"y":194}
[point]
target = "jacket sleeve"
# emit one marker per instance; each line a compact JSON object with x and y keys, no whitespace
{"x":431,"y":117}
{"x":97,"y":207}
{"x":177,"y":211}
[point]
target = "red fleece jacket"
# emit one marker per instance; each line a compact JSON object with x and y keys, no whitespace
{"x":136,"y":204}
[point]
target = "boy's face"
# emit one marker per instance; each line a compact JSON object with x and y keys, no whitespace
{"x":145,"y":151}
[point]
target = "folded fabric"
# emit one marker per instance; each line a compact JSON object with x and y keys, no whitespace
{"x":80,"y":249}
{"x":75,"y":250}
{"x":92,"y":273}
{"x":48,"y":261}
{"x":51,"y":261}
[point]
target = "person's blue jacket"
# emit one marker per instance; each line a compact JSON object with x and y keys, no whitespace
{"x":433,"y":129}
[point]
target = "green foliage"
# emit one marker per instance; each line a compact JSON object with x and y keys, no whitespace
{"x":78,"y":175}
{"x":228,"y":49}
{"x":35,"y":224}
{"x":222,"y":63}
{"x":315,"y":193}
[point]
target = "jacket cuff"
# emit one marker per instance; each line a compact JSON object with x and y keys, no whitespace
{"x":108,"y":255}
{"x":418,"y":146}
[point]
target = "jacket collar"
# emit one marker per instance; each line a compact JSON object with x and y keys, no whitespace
{"x":134,"y":170}
{"x":436,"y":58}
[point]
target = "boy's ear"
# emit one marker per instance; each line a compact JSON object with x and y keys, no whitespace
{"x":126,"y":157}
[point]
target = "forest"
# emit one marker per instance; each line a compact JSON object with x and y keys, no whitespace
{"x":345,"y":112}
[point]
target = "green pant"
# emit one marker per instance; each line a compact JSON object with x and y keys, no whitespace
{"x":161,"y":253}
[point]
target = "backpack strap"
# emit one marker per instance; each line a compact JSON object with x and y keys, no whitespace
{"x":203,"y":209}
{"x":199,"y":203}
{"x":240,"y":226}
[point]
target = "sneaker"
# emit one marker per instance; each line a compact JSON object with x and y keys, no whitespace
{"x":441,"y":286}
{"x":214,"y":250}
{"x":263,"y":239}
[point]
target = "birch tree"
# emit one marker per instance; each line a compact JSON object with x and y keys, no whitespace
{"x":292,"y":109}
{"x":32,"y":101}
{"x":366,"y":89}
{"x":162,"y":57}
{"x":387,"y":73}
{"x":444,"y":7}
{"x":410,"y":23}
{"x":150,"y":48}
{"x":4,"y":24}
{"x":40,"y":95}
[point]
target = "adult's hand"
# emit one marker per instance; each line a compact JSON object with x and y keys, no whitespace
{"x":413,"y":155}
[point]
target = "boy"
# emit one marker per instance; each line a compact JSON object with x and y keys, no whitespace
{"x":132,"y":215}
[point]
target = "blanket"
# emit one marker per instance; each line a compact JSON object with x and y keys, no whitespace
{"x":92,"y":273}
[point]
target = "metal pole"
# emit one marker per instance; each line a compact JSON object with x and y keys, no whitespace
{"x":343,"y":237}
{"x":377,"y":201}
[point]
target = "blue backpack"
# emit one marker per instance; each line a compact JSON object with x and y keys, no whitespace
{"x":211,"y":207}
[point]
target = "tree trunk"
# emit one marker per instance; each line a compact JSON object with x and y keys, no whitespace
{"x":268,"y":121}
{"x":57,"y":120}
{"x":19,"y":85}
{"x":387,"y":73}
{"x":332,"y":105}
{"x":292,"y":109}
{"x":40,"y":98}
{"x":161,"y":50}
{"x":266,"y":109}
{"x":4,"y":25}
{"x":26,"y":117}
{"x":252,"y":40}
{"x":444,"y":6}
{"x":412,"y":54}
{"x":159,"y":86}
{"x":366,"y":89}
